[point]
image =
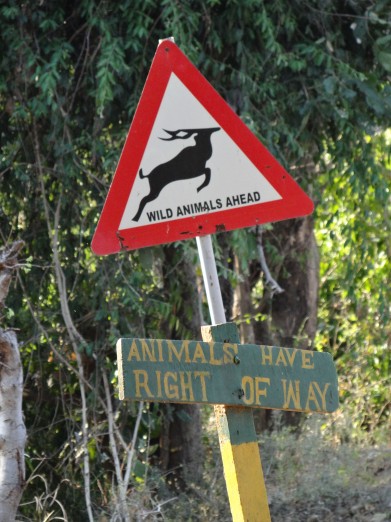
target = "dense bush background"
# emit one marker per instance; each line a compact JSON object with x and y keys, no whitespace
{"x":312,"y":80}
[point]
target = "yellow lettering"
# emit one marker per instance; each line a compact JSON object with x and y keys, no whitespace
{"x":230,"y":350}
{"x":171,"y":389}
{"x":312,"y":398}
{"x":248,"y":388}
{"x":141,"y":381}
{"x":159,"y":383}
{"x":172,"y":350}
{"x":160,"y":350}
{"x":212,"y":355}
{"x":267,"y":358}
{"x":186,"y":386}
{"x":133,"y":352}
{"x":291,"y":394}
{"x":281,"y":358}
{"x":148,"y":351}
{"x":202,"y":376}
{"x":199,"y":354}
{"x":322,"y":394}
{"x":260,"y":391}
{"x":306,"y":359}
{"x":291,"y":354}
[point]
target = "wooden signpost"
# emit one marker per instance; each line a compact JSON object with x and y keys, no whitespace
{"x":232,"y":376}
{"x":226,"y":373}
{"x":189,"y":168}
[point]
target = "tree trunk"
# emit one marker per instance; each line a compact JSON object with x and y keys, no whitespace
{"x":242,"y":309}
{"x":291,"y":313}
{"x":180,"y":444}
{"x":294,"y":311}
{"x":12,"y":428}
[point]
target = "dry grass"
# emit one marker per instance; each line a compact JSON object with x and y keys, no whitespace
{"x":322,"y":474}
{"x":314,"y":476}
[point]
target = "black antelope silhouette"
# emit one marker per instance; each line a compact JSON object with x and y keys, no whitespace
{"x":189,"y":163}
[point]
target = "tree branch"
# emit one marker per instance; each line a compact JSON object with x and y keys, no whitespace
{"x":274,"y":286}
{"x":75,"y":337}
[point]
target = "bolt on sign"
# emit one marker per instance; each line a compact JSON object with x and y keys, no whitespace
{"x":226,"y":373}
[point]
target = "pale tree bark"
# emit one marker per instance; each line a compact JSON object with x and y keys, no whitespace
{"x":12,"y":428}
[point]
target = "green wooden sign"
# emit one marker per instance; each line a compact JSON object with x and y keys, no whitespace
{"x":226,"y":373}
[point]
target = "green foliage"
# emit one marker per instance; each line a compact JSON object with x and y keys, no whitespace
{"x":310,"y":79}
{"x":354,"y":237}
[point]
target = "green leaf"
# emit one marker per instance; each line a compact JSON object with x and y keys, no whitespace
{"x":382,"y":50}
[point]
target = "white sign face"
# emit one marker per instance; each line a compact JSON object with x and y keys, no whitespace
{"x":191,"y":166}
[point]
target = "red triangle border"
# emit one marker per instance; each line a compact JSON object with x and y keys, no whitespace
{"x":108,"y":239}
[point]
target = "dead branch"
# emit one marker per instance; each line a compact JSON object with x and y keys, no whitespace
{"x":270,"y":281}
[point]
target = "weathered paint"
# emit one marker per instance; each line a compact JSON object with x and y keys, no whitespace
{"x":228,"y":373}
{"x":245,"y":483}
{"x":239,"y":449}
{"x":221,"y":371}
{"x":238,"y":430}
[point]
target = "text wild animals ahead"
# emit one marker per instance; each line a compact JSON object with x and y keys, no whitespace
{"x":188,"y":164}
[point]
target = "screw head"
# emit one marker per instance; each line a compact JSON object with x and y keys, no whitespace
{"x":236,"y":359}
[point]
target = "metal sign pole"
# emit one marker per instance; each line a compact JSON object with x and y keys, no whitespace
{"x":211,"y":280}
{"x":237,"y":437}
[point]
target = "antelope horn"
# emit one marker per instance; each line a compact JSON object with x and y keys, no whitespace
{"x":174,"y":135}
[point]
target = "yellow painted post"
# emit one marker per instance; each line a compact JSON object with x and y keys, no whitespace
{"x":239,"y":448}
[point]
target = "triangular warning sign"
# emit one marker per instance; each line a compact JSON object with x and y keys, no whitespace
{"x":190,"y":166}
